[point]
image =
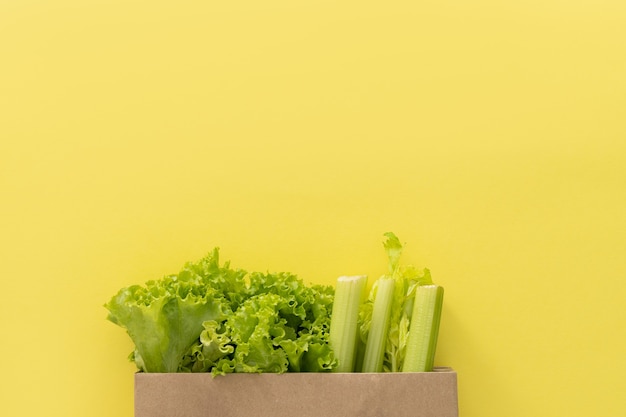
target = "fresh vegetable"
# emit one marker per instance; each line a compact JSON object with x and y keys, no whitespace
{"x":422,"y":342}
{"x":379,"y":327}
{"x":212,"y":318}
{"x":344,"y":322}
{"x":165,"y":317}
{"x":283,"y":326}
{"x":406,"y":280}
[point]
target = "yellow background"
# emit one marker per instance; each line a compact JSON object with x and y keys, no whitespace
{"x":490,"y":136}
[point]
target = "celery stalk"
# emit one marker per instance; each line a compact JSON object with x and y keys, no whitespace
{"x":424,"y":330}
{"x":349,"y":293}
{"x":375,"y":347}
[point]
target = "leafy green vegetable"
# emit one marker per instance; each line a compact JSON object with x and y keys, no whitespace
{"x":165,"y":317}
{"x":283,"y":326}
{"x":211,"y":318}
{"x":406,"y":279}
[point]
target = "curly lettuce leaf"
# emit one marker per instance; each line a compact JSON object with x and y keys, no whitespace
{"x":228,"y":282}
{"x":165,"y":317}
{"x":306,"y":311}
{"x":254,"y":326}
{"x":282,"y":327}
{"x":212,"y":318}
{"x":213,"y":347}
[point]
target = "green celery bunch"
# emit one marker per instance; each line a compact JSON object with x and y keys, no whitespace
{"x":385,"y":317}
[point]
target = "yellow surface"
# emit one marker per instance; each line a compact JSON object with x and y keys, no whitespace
{"x":490,"y":136}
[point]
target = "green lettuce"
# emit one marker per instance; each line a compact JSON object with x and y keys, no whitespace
{"x":282,"y":327}
{"x":212,"y":318}
{"x":164,"y":317}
